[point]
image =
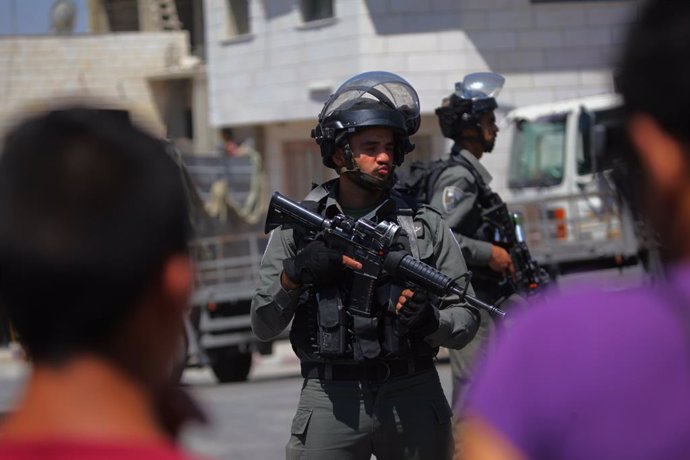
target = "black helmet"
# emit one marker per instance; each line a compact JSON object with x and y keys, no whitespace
{"x":370,"y":99}
{"x":474,"y":95}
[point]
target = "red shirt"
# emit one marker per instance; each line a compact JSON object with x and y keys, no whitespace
{"x":88,"y":450}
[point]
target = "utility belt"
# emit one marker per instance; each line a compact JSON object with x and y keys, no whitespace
{"x":378,"y":370}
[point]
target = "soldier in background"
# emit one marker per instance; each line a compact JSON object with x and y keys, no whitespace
{"x":462,"y":192}
{"x":596,"y":373}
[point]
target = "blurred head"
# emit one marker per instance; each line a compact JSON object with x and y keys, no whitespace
{"x":653,"y":78}
{"x":93,"y":241}
{"x":230,"y":146}
{"x":372,"y":102}
{"x":467,"y":116}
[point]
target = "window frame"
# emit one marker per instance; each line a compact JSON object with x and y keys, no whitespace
{"x":311,"y":5}
{"x":232,"y":30}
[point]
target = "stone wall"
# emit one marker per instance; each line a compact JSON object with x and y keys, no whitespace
{"x":37,"y":71}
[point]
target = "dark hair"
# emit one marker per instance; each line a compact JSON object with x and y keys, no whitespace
{"x":227,"y":134}
{"x":654,"y":71}
{"x":90,"y":208}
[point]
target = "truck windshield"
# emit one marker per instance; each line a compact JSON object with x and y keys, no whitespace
{"x":538,"y":155}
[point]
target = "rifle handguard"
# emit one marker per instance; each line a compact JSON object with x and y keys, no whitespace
{"x":405,"y":266}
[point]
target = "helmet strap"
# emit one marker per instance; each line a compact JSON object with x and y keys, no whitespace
{"x":367,"y":181}
{"x":349,"y":157}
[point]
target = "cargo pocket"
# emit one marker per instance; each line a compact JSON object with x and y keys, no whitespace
{"x":442,"y":410}
{"x":301,"y":421}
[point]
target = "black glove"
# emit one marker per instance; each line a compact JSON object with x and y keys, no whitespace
{"x":315,"y":264}
{"x":419,"y":314}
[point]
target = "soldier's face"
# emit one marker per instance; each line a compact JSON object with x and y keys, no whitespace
{"x":373,"y":151}
{"x":487,"y":123}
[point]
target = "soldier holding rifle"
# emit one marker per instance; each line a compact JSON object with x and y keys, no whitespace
{"x":499,"y":260}
{"x":370,"y":382}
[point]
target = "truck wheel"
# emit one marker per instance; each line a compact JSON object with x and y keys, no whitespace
{"x":229,"y":364}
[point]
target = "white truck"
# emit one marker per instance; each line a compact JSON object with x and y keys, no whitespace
{"x":560,"y":186}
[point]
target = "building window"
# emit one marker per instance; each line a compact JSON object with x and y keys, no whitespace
{"x":123,"y":15}
{"x":313,"y":10}
{"x":238,"y":18}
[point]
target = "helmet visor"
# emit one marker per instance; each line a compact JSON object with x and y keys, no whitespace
{"x":480,"y":85}
{"x":385,"y":87}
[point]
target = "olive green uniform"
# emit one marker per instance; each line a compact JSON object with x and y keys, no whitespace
{"x":455,"y":195}
{"x":395,"y":411}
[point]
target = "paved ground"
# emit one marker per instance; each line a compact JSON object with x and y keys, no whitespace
{"x":249,"y":419}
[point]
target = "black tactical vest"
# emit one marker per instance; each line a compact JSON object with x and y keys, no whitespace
{"x":322,"y":328}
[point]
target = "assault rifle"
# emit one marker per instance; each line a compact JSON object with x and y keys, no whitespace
{"x":369,"y":243}
{"x":505,"y":230}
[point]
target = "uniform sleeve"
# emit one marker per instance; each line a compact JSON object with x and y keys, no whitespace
{"x":272,"y":306}
{"x":455,"y":195}
{"x":458,"y":321}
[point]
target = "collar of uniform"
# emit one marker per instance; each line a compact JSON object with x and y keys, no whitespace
{"x":483,"y":172}
{"x":333,"y":207}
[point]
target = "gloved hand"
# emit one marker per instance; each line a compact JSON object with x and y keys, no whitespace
{"x":417,"y":313}
{"x":315,"y":264}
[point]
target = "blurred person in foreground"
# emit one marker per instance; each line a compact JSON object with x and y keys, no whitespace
{"x":598,"y":374}
{"x":96,"y":277}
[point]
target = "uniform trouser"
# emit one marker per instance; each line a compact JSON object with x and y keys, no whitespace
{"x":406,"y":418}
{"x":463,"y":361}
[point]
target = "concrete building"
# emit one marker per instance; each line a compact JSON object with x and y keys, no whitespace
{"x":273,"y":63}
{"x":143,"y":55}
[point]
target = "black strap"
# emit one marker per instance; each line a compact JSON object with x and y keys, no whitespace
{"x":319,"y":193}
{"x":483,"y":186}
{"x":372,"y":371}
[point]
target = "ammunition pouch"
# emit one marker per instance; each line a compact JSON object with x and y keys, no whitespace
{"x":366,"y":341}
{"x":332,"y":324}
